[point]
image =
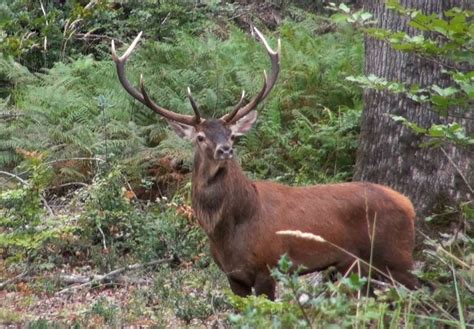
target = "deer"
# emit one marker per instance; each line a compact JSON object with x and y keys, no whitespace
{"x":244,"y":219}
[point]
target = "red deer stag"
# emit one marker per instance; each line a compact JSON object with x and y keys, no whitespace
{"x":241,"y":217}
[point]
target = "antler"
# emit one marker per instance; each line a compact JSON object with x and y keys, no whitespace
{"x":197,"y":116}
{"x":268,"y":83}
{"x":142,"y":96}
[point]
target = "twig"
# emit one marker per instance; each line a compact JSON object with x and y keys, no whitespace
{"x":380,"y":283}
{"x":100,"y":278}
{"x":467,"y":285}
{"x":46,"y":205}
{"x":73,"y":159}
{"x":66,"y":185}
{"x":18,"y":178}
{"x":458,"y":261}
{"x":458,"y":170}
{"x":10,"y":115}
{"x":14,"y":279}
{"x":103,"y":237}
{"x":91,"y":4}
{"x":74,"y":278}
{"x":24,"y":182}
{"x":90,"y":35}
{"x":130,"y":188}
{"x":300,"y":305}
{"x":165,"y":19}
{"x":431,"y":302}
{"x":345,"y":275}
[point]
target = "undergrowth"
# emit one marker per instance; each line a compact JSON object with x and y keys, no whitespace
{"x":307,"y":129}
{"x":74,"y":149}
{"x":103,"y":227}
{"x":346,"y":304}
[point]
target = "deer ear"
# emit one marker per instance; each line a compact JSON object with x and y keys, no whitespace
{"x":182,"y":130}
{"x":244,"y":124}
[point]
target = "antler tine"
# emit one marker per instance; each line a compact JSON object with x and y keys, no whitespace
{"x":197,"y":116}
{"x":186,"y":119}
{"x":120,"y":64}
{"x":230,"y":116}
{"x":274,"y":58}
{"x":241,"y":112}
{"x":268,"y":84}
{"x":142,"y":96}
{"x":128,"y":51}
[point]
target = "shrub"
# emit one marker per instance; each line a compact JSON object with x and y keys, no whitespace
{"x":345,"y":304}
{"x":25,"y":225}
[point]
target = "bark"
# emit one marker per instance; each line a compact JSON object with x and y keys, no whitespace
{"x":389,"y":153}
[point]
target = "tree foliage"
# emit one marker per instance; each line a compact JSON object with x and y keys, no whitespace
{"x":447,"y":41}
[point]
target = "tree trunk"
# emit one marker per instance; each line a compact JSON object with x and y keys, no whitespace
{"x":389,"y":153}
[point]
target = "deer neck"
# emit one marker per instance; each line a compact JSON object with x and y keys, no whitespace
{"x":222,"y":196}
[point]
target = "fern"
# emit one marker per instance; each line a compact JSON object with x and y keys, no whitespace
{"x":80,"y":109}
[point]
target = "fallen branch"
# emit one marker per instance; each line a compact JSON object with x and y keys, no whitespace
{"x":9,"y":115}
{"x":74,"y":159}
{"x":67,"y":185}
{"x":73,"y":278}
{"x":18,"y":178}
{"x":96,"y":279}
{"x":14,"y":279}
{"x":82,"y":279}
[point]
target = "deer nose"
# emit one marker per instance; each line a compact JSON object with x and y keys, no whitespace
{"x":224,"y":151}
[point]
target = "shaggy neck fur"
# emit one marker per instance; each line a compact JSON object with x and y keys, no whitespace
{"x":222,"y":196}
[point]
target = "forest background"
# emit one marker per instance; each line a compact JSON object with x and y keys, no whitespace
{"x":96,"y":227}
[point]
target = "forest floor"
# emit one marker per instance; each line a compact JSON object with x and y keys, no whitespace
{"x":34,"y":300}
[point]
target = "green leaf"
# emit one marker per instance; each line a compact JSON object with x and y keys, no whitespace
{"x":344,"y":8}
{"x":436,"y":131}
{"x":445,"y":92}
{"x":394,"y":4}
{"x":440,"y":101}
{"x":365,"y":16}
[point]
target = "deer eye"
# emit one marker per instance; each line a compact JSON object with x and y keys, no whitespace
{"x":200,"y":138}
{"x":233,"y":137}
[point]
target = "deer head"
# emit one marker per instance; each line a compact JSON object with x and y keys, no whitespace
{"x":214,"y":138}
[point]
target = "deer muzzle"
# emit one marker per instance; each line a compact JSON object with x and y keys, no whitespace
{"x":224,"y":152}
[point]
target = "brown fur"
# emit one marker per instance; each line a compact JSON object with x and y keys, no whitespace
{"x":241,"y":218}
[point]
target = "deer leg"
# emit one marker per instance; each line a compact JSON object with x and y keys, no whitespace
{"x":265,"y":285}
{"x":239,"y":288}
{"x":406,"y":278}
